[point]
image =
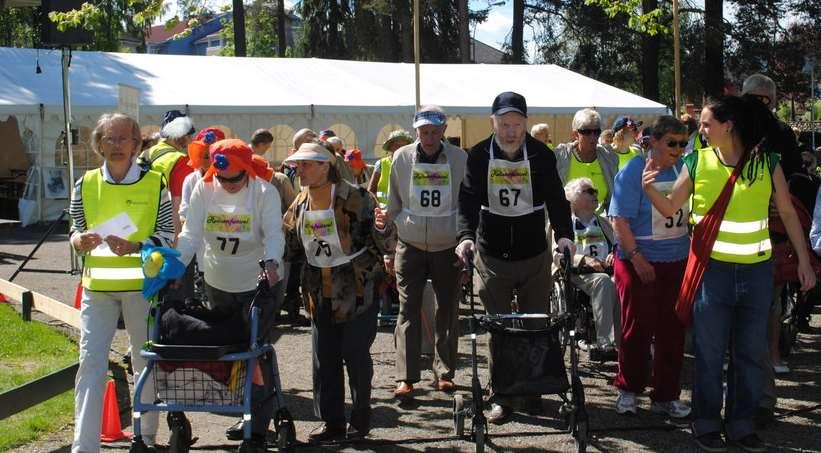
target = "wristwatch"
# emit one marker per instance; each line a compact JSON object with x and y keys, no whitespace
{"x":633,"y":253}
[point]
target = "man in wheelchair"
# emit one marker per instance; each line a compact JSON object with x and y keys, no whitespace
{"x":592,"y":267}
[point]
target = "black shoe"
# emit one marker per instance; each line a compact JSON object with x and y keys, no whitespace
{"x":711,"y":442}
{"x":355,"y":434}
{"x":603,"y":355}
{"x":763,"y":418}
{"x":235,"y":431}
{"x":533,"y":406}
{"x":751,"y":442}
{"x":326,"y":433}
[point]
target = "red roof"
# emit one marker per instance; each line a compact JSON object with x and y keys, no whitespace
{"x":159,"y":33}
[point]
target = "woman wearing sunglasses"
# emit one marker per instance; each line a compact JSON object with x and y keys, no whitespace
{"x":584,"y":157}
{"x":237,"y":215}
{"x":652,"y":252}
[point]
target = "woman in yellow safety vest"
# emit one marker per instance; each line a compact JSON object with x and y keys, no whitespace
{"x":734,"y":297}
{"x":115,"y":209}
{"x":380,"y":177}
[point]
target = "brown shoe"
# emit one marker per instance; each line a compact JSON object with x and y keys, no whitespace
{"x":403,"y":390}
{"x":445,"y":385}
{"x":326,"y":433}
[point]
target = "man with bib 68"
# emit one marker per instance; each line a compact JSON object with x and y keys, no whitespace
{"x":424,"y":181}
{"x":509,"y":180}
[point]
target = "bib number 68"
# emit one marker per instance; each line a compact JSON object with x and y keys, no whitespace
{"x":432,"y":198}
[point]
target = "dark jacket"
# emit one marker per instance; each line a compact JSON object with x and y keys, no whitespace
{"x":782,"y":141}
{"x":512,"y":238}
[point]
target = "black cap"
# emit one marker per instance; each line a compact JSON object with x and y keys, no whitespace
{"x":509,"y":102}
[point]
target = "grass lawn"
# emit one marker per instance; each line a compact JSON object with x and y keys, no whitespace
{"x":29,"y":350}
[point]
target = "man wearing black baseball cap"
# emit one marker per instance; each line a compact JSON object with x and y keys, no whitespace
{"x":510,"y":178}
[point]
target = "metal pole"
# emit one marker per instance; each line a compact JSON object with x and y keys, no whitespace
{"x":66,"y":62}
{"x":416,"y":49}
{"x":677,"y":58}
{"x":812,"y":103}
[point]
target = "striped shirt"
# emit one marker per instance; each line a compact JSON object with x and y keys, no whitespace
{"x":163,"y":234}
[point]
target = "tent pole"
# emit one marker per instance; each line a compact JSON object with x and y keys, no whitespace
{"x":416,"y":49}
{"x":66,"y":62}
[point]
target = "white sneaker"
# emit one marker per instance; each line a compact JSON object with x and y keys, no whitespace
{"x":626,"y":402}
{"x":673,"y":409}
{"x":584,"y":345}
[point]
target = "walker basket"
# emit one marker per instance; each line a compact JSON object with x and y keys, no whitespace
{"x":525,"y":361}
{"x":196,"y":382}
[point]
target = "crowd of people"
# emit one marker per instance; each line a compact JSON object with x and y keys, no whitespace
{"x":642,"y":209}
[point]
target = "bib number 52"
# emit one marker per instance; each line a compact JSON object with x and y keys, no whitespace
{"x":432,"y":198}
{"x":505,"y":196}
{"x":676,"y":220}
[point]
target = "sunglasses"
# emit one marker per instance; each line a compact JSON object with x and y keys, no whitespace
{"x":590,"y":191}
{"x":673,"y":143}
{"x":589,"y":131}
{"x":763,"y":99}
{"x":233,"y":179}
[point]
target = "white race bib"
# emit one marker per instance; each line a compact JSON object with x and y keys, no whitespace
{"x":320,"y":238}
{"x":509,"y":188}
{"x":430,"y":190}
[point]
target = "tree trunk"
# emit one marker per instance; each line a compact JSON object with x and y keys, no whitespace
{"x":282,"y":38}
{"x":239,"y":28}
{"x":405,"y":27}
{"x":650,"y":57}
{"x":713,"y":47}
{"x":464,"y":31}
{"x":517,"y":43}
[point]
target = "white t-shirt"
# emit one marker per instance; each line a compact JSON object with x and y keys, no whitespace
{"x":238,"y":229}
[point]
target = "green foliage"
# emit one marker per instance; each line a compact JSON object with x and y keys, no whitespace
{"x":19,"y":27}
{"x":30,"y":350}
{"x":260,"y":30}
{"x":648,"y":22}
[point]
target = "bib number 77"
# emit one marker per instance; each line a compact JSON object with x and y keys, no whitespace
{"x":505,"y":196}
{"x":224,"y":243}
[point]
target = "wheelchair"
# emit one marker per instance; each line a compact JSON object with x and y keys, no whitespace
{"x":565,"y":293}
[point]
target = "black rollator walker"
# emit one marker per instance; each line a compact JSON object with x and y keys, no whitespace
{"x":198,"y":378}
{"x":527,"y":359}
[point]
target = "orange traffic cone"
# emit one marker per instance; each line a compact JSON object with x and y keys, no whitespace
{"x":112,"y":430}
{"x":78,"y":296}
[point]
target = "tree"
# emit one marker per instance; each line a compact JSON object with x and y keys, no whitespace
{"x":464,"y":30}
{"x":517,"y":45}
{"x":282,"y":39}
{"x":713,"y":47}
{"x":19,"y":27}
{"x":239,"y":28}
{"x":650,"y":45}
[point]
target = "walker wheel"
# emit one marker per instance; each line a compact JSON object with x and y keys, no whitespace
{"x":138,"y":446}
{"x":459,"y":414}
{"x":286,"y":432}
{"x":479,"y":438}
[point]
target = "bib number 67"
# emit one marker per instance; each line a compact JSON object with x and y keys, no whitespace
{"x":504,"y":196}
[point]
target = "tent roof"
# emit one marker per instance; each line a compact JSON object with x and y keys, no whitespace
{"x":217,"y":85}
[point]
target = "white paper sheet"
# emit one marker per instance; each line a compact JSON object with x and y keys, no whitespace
{"x":120,"y":225}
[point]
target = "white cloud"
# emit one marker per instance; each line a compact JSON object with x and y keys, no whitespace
{"x":497,"y":23}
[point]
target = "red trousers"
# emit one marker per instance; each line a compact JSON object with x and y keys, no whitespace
{"x":646,"y":313}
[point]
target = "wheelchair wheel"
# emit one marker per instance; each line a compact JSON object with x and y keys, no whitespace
{"x":788,"y":328}
{"x":578,"y":422}
{"x":181,"y":434}
{"x":580,"y":433}
{"x":459,"y":414}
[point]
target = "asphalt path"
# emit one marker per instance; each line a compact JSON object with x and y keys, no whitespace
{"x":426,"y":423}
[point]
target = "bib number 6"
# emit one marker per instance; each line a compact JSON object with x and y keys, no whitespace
{"x":504,"y":196}
{"x":432,"y":198}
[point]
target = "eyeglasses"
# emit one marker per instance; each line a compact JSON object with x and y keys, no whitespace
{"x":589,"y":131}
{"x":590,"y":191}
{"x":673,"y":143}
{"x":115,"y":141}
{"x":233,"y":179}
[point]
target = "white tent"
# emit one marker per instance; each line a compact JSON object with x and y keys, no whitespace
{"x":361,"y":101}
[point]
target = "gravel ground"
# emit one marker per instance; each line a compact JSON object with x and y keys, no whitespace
{"x":426,"y":424}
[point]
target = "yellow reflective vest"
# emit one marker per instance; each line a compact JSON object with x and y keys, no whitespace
{"x":104,"y":271}
{"x":162,"y":157}
{"x":744,"y":235}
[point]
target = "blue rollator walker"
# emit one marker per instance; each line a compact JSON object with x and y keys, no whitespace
{"x":218,"y":379}
{"x":527,"y":354}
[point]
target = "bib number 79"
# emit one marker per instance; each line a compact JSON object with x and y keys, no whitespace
{"x":676,"y":220}
{"x":431,"y":198}
{"x":504,"y":196}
